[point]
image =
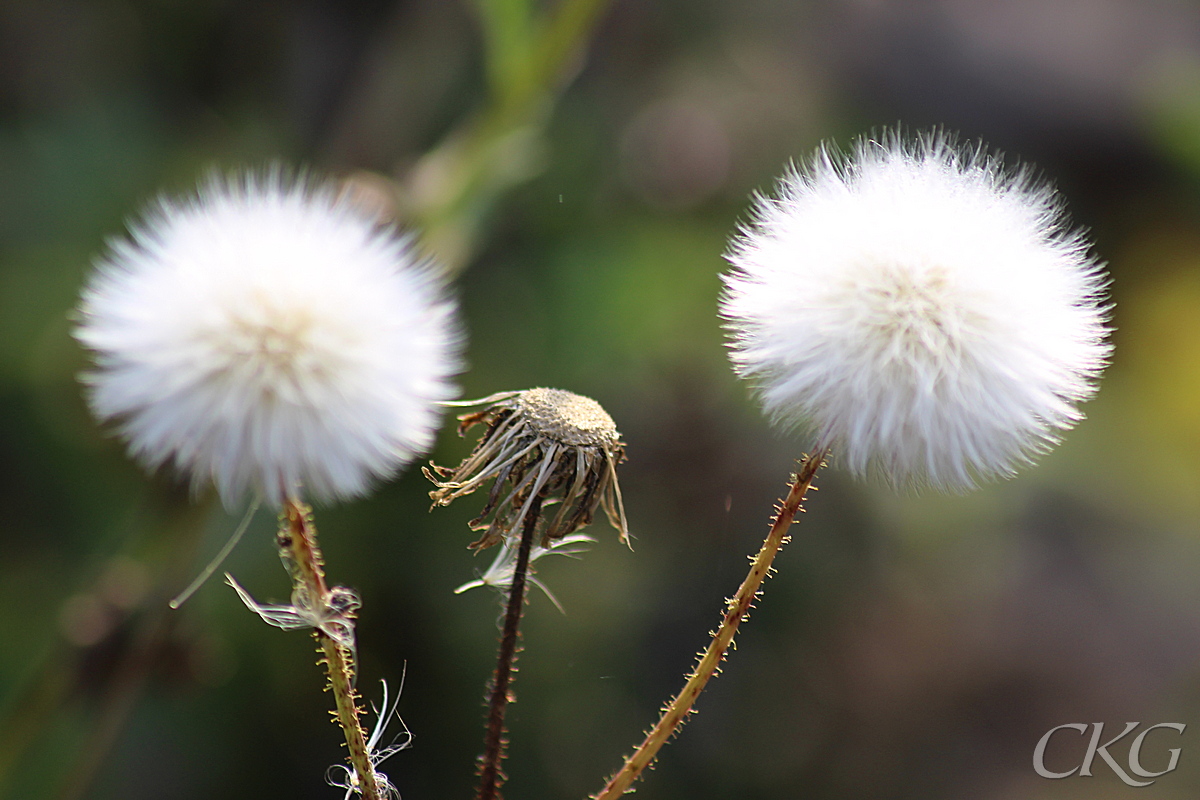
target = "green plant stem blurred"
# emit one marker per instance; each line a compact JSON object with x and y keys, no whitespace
{"x":529,"y":58}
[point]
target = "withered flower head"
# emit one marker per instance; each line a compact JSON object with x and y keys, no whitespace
{"x":550,"y":443}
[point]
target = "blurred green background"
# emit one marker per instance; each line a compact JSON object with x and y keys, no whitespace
{"x":582,"y":163}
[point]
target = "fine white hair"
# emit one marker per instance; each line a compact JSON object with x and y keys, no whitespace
{"x":918,"y":307}
{"x":268,"y":337}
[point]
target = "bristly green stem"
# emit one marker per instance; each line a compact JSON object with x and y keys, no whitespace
{"x":677,"y":711}
{"x":297,"y":542}
{"x":490,"y":774}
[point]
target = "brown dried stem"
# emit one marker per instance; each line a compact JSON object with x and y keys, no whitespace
{"x":677,"y":711}
{"x":490,"y":774}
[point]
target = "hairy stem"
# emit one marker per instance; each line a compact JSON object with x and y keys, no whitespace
{"x":490,"y":775}
{"x":297,"y":541}
{"x":736,"y":608}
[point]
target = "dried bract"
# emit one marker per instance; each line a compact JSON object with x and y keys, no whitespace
{"x":334,"y":616}
{"x":499,"y":575}
{"x":347,"y":778}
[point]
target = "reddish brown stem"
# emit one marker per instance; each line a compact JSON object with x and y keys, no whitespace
{"x":490,"y":774}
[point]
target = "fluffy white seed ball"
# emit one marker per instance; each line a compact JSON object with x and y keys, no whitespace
{"x":917,"y":307}
{"x":268,"y":337}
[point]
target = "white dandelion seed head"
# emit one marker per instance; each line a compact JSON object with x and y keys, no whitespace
{"x":264,"y":335}
{"x":926,"y":312}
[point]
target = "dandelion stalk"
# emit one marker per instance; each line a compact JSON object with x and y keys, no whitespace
{"x":264,"y":334}
{"x":490,"y":775}
{"x":736,"y":609}
{"x":541,"y":446}
{"x":297,"y":541}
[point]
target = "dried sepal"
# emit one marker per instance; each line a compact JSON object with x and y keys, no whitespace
{"x":550,"y":443}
